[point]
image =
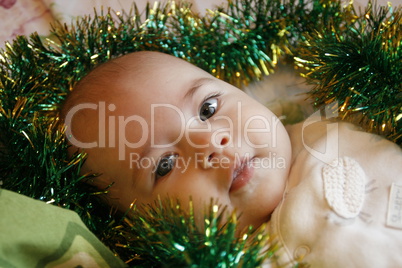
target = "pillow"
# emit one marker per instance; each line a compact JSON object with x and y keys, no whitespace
{"x":36,"y":234}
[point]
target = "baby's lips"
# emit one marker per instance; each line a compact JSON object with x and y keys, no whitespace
{"x":242,"y":173}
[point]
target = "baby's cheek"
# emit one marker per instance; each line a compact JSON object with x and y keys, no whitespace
{"x":260,"y":131}
{"x":193,"y":188}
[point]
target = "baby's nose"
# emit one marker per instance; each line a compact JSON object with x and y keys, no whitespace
{"x":209,"y":147}
{"x":208,"y":139}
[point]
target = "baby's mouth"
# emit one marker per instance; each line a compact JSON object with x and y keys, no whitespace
{"x":242,"y":174}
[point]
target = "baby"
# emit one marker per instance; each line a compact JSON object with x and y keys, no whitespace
{"x":154,"y":125}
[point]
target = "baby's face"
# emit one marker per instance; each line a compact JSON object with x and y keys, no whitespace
{"x":171,"y":129}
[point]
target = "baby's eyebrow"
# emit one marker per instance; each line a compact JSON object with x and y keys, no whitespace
{"x":195,"y":86}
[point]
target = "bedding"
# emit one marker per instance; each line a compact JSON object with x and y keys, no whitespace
{"x":35,"y":234}
{"x":22,"y":17}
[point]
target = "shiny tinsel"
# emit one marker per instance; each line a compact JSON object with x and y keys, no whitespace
{"x":238,"y":43}
{"x":359,"y":67}
{"x":213,"y":245}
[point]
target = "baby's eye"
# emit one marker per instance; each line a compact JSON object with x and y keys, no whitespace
{"x":165,"y":165}
{"x":208,"y":108}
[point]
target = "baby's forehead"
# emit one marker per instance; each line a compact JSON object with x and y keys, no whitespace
{"x":141,"y":78}
{"x":134,"y":66}
{"x":103,"y":80}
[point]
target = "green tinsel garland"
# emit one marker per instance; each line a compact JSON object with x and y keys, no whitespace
{"x":360,"y":68}
{"x":165,"y":233}
{"x":356,"y":61}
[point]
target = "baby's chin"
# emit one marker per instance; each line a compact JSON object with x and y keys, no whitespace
{"x":245,"y":226}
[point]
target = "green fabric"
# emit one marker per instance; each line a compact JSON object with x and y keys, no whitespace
{"x":35,"y":234}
